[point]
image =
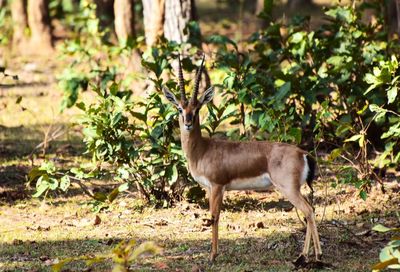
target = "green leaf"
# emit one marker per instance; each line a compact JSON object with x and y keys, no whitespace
{"x":283,"y":91}
{"x":34,"y":173}
{"x":100,"y":196}
{"x":336,"y":61}
{"x":381,"y":228}
{"x":354,"y":138}
{"x":297,"y":37}
{"x":123,"y":187}
{"x":113,"y":195}
{"x":391,"y":94}
{"x":53,"y":183}
{"x":42,"y":187}
{"x":174,"y":175}
{"x":65,"y":182}
{"x":363,"y":195}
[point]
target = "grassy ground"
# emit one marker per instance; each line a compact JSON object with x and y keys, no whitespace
{"x":258,"y":231}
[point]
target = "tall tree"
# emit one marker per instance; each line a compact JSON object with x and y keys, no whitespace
{"x":20,"y":23}
{"x":124,"y":22}
{"x":124,"y":19}
{"x":168,"y":18}
{"x":39,"y":24}
{"x":104,"y":12}
{"x":178,"y":13}
{"x":153,"y":17}
{"x":393,"y":16}
{"x":295,"y":5}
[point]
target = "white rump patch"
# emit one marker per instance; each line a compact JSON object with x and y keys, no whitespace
{"x":253,"y":183}
{"x":305,"y":170}
{"x":202,"y":181}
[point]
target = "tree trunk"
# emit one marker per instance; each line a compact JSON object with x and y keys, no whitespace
{"x":153,"y":17}
{"x":104,"y":12}
{"x":295,"y":5}
{"x":124,"y":20}
{"x":39,"y":24}
{"x":178,"y":13}
{"x":19,"y":18}
{"x":393,"y":17}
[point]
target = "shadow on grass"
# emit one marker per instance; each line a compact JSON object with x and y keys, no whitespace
{"x":17,"y":142}
{"x":271,"y":253}
{"x":19,"y":145}
{"x":21,"y":85}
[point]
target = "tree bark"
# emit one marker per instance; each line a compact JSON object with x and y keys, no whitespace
{"x":19,"y":18}
{"x":295,"y":5}
{"x":124,"y":20}
{"x":153,"y":17}
{"x":393,"y":17}
{"x":178,"y":13}
{"x":104,"y":12}
{"x":39,"y":24}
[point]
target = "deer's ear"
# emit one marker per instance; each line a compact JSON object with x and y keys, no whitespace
{"x":170,"y":96}
{"x":207,"y":96}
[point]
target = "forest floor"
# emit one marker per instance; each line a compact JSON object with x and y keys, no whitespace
{"x":258,"y":231}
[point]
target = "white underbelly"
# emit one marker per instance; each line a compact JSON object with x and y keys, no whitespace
{"x":202,"y":181}
{"x":254,"y":183}
{"x":261,"y":182}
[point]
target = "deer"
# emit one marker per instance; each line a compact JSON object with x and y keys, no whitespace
{"x":223,"y":165}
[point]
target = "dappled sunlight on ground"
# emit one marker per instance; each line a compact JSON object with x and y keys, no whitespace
{"x":265,"y":233}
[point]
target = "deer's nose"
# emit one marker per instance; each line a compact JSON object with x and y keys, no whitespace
{"x":188,"y":127}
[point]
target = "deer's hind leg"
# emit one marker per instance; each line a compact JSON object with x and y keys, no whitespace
{"x":291,"y":190}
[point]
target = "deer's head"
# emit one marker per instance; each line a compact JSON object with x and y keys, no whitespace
{"x":189,"y":109}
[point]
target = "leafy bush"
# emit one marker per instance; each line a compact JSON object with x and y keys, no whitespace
{"x":287,"y":83}
{"x":390,"y":254}
{"x":291,"y":82}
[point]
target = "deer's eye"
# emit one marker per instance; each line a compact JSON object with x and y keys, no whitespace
{"x":180,"y":110}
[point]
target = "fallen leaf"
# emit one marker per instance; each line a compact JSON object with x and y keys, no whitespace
{"x":161,"y":265}
{"x":97,"y":220}
{"x":197,"y":268}
{"x":260,"y":225}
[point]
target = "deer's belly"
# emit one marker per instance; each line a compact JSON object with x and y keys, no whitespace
{"x":202,"y":181}
{"x":261,"y":182}
{"x":253,"y":183}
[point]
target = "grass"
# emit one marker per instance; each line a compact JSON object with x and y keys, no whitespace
{"x":35,"y":234}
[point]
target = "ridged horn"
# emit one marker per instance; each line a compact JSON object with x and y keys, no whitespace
{"x":197,"y":82}
{"x":181,"y":81}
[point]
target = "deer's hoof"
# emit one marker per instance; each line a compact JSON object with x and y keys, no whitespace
{"x":207,"y":222}
{"x":301,"y":261}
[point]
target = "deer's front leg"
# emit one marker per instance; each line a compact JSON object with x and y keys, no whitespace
{"x":216,"y":196}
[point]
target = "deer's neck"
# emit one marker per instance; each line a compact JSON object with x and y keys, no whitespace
{"x":192,"y":142}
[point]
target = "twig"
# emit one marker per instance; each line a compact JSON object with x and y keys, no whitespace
{"x":339,"y":224}
{"x":323,"y":176}
{"x":79,"y":182}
